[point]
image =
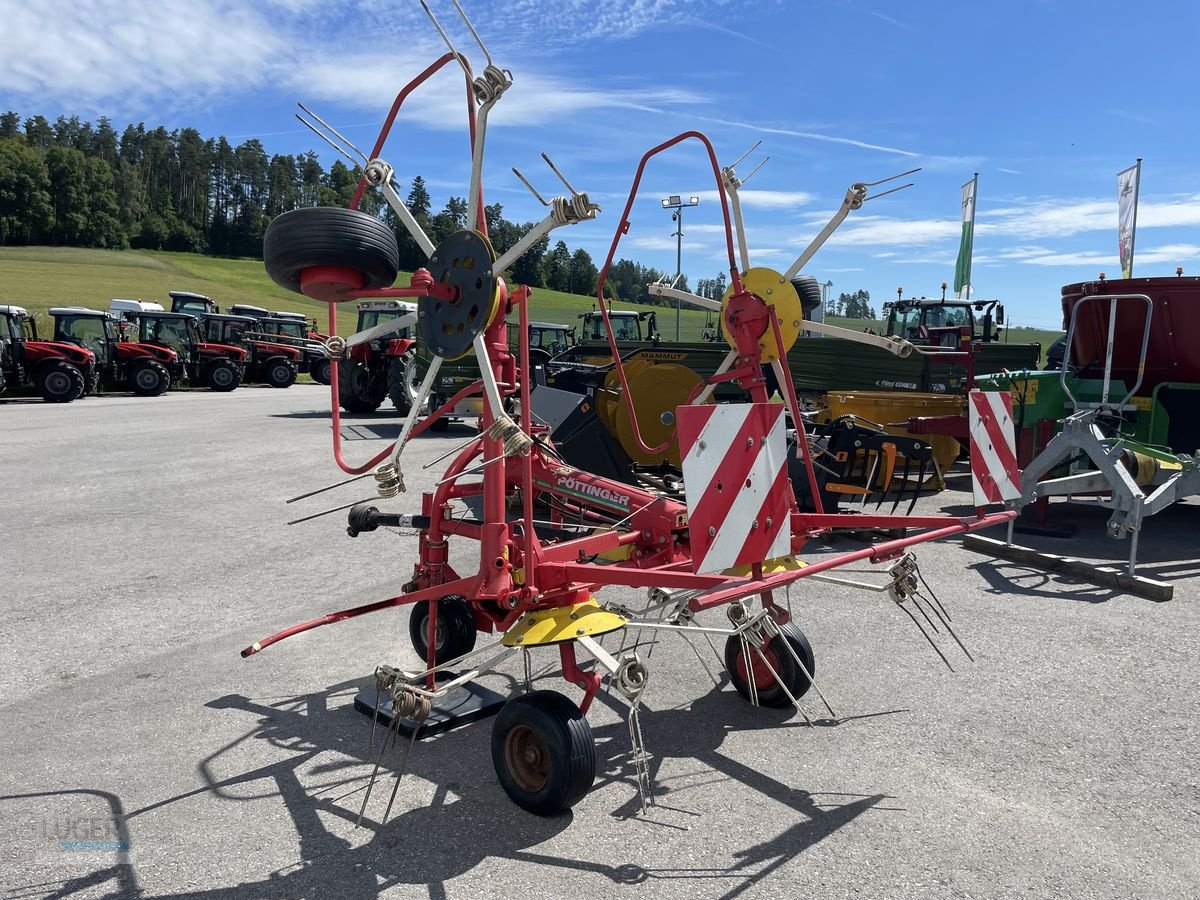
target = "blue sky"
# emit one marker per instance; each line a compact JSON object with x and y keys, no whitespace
{"x":1046,"y":100}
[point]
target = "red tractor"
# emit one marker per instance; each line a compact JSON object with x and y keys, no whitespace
{"x":376,"y":369}
{"x":268,"y":362}
{"x":120,"y":364}
{"x":291,"y":330}
{"x":61,"y":372}
{"x":218,"y":366}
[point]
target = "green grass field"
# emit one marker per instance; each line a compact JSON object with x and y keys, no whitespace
{"x":41,"y":277}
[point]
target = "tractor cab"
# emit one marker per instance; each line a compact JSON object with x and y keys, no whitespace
{"x":626,"y":326}
{"x":944,"y":323}
{"x":176,"y":331}
{"x":228,"y":329}
{"x":549,"y":337}
{"x":192,"y":304}
{"x":245,"y":309}
{"x":91,"y":328}
{"x":376,"y":312}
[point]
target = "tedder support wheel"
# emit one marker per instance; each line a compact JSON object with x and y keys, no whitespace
{"x":770,"y":693}
{"x":149,"y":379}
{"x":61,"y":383}
{"x":543,"y":751}
{"x":455,"y":629}
{"x":318,"y":236}
{"x":320,"y":371}
{"x":223,"y":376}
{"x":357,"y":391}
{"x":280,"y":373}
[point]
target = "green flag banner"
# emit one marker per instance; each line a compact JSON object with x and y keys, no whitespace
{"x":962,"y":269}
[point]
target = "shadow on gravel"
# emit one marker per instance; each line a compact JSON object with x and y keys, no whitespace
{"x":323,"y":766}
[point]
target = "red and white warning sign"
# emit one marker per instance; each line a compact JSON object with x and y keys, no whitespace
{"x":736,"y":481}
{"x":995,"y":476}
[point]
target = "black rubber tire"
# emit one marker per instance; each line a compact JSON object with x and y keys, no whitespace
{"x":455,"y":629}
{"x":357,"y":392}
{"x":149,"y":378}
{"x":223,"y":376}
{"x":90,"y":383}
{"x":809,"y":290}
{"x":769,"y":691}
{"x":280,"y":372}
{"x":398,"y":385}
{"x":544,"y":753}
{"x":320,"y":371}
{"x":60,"y":382}
{"x":329,"y":236}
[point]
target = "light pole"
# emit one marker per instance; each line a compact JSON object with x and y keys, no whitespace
{"x":678,"y":204}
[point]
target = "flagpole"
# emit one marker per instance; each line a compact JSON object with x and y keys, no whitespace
{"x":1137,"y":186}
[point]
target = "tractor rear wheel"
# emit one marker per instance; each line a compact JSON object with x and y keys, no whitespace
{"x":320,"y":371}
{"x":357,"y":391}
{"x":330,"y":236}
{"x":398,"y":384}
{"x":280,"y":373}
{"x":223,"y":375}
{"x":544,"y":753}
{"x":149,"y":378}
{"x":61,"y":382}
{"x":768,"y":688}
{"x":455,"y":633}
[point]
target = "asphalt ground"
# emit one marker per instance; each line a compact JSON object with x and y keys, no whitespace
{"x":143,"y":544}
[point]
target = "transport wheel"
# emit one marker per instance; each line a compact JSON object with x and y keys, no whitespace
{"x":149,"y":379}
{"x":398,"y":387}
{"x":329,"y":236}
{"x":543,"y":751}
{"x":61,"y":383}
{"x":320,"y":371}
{"x":281,"y":373}
{"x":223,"y":376}
{"x":455,"y":629}
{"x":770,"y":693}
{"x":357,"y":392}
{"x":809,"y":291}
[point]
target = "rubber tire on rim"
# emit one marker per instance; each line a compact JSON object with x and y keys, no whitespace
{"x":149,"y":379}
{"x":320,"y":371}
{"x":280,"y":373}
{"x":809,"y":290}
{"x":354,"y":387}
{"x":455,"y":625}
{"x":223,"y":376}
{"x":398,"y":384}
{"x":329,"y":236}
{"x":61,"y":382}
{"x":769,"y":691}
{"x":548,"y":722}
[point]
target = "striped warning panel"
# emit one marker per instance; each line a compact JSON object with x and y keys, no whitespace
{"x":995,"y":476}
{"x":736,"y":481}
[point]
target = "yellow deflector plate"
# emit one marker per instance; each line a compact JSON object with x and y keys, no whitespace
{"x":553,"y":626}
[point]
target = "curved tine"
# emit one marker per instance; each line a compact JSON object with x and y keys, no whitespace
{"x":744,"y":155}
{"x":755,"y":169}
{"x":345,"y":140}
{"x":881,"y":180}
{"x":554,"y":169}
{"x":885,"y":193}
{"x":471,"y":28}
{"x":532,"y":189}
{"x":462,"y":61}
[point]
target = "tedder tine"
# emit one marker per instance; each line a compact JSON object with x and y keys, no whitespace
{"x":916,"y":489}
{"x":903,"y":483}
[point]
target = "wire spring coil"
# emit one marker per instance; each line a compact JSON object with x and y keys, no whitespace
{"x":491,"y":84}
{"x":335,"y":346}
{"x":389,"y":481}
{"x":576,"y":209}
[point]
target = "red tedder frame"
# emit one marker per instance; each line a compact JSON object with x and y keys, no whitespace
{"x":519,"y":571}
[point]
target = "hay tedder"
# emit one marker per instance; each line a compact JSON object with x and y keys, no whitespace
{"x":550,"y":537}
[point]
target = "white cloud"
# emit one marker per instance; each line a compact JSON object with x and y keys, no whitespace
{"x":751,"y":199}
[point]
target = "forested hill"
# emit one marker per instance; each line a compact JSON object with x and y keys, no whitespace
{"x":70,"y":183}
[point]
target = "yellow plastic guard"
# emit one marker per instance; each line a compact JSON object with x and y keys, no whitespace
{"x":565,"y":623}
{"x":770,"y":567}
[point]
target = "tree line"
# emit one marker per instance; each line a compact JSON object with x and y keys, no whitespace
{"x":71,"y":183}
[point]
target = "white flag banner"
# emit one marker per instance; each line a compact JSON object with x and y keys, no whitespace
{"x":1127,"y":199}
{"x":966,"y":242}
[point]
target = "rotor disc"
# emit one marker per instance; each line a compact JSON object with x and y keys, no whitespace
{"x":448,"y":327}
{"x":776,"y":291}
{"x":654,"y":393}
